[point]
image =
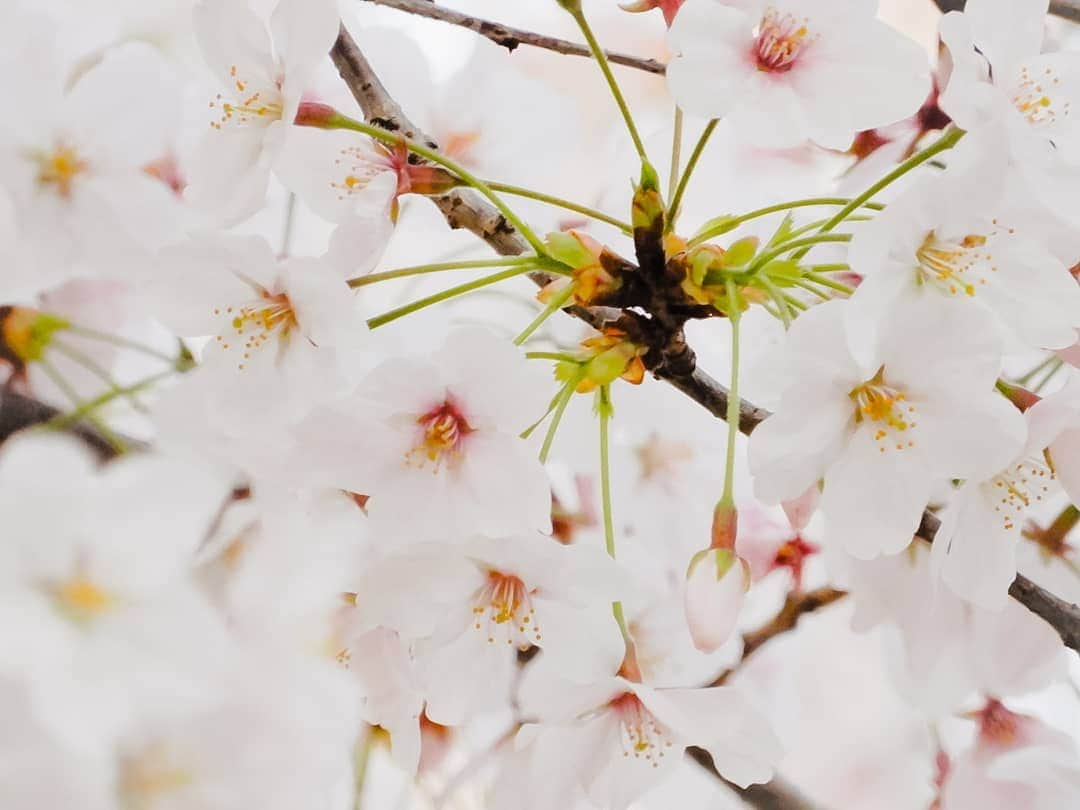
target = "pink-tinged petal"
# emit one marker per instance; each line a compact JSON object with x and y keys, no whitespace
{"x":711,"y":66}
{"x":799,"y":510}
{"x":873,"y":500}
{"x":498,"y":388}
{"x":1014,"y":651}
{"x":716,"y":585}
{"x":339,"y":174}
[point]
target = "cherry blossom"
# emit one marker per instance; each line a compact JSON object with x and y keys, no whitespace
{"x":72,"y":164}
{"x":1000,"y":79}
{"x":975,"y":548}
{"x":276,"y":327}
{"x":950,"y":237}
{"x":627,"y":737}
{"x":264,"y":67}
{"x":441,"y":432}
{"x":870,"y":427}
{"x":783,"y":70}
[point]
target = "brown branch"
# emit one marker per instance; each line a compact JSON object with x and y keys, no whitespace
{"x":19,"y":412}
{"x":775,"y":794}
{"x":1066,"y":9}
{"x":510,"y":38}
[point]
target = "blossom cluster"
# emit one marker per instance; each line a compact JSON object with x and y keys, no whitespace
{"x":291,"y":523}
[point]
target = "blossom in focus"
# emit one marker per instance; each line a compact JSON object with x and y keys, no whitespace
{"x":1001,"y":80}
{"x":975,"y":549}
{"x":434,"y":442}
{"x":470,"y":609}
{"x":883,"y":429}
{"x":264,"y":67}
{"x":788,"y":71}
{"x":279,"y":329}
{"x":950,"y":237}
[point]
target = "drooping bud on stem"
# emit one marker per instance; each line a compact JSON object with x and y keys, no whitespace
{"x":1018,"y":395}
{"x":317,"y":114}
{"x":716,"y":582}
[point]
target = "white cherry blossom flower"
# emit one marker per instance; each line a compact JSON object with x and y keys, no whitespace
{"x":1017,"y":760}
{"x":788,"y":70}
{"x":72,"y":161}
{"x":264,"y":70}
{"x":951,"y":237}
{"x":617,"y":738}
{"x":883,"y":429}
{"x":100,"y":618}
{"x":472,"y":607}
{"x":975,"y":549}
{"x":434,"y":443}
{"x":1000,"y":79}
{"x":281,"y":330}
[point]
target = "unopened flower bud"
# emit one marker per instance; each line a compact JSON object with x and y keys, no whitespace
{"x":316,"y":114}
{"x":716,"y":583}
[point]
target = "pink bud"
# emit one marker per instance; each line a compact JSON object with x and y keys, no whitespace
{"x":316,"y":114}
{"x":716,"y":582}
{"x":801,"y":509}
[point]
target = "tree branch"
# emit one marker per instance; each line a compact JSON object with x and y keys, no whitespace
{"x":775,"y":794}
{"x":510,"y":38}
{"x":1066,"y":9}
{"x":18,"y":412}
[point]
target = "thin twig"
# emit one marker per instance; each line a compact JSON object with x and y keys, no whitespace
{"x":510,"y":38}
{"x":1066,"y":9}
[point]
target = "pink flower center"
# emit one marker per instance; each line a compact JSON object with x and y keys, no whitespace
{"x":444,"y":432}
{"x":781,"y":39}
{"x":642,"y":735}
{"x":503,"y":608}
{"x":1000,"y":727}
